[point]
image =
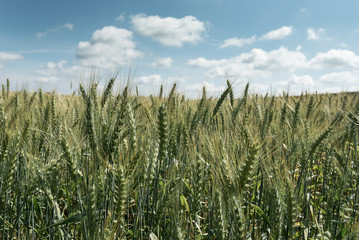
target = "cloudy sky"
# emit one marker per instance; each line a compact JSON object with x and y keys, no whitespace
{"x":278,"y":45}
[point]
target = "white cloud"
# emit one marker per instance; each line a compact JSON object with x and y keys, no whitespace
{"x":304,"y":80}
{"x":272,"y":35}
{"x":172,"y":80}
{"x":210,"y":87}
{"x":121,"y":18}
{"x":298,"y":82}
{"x":202,"y":62}
{"x":48,"y":79}
{"x":169,"y":31}
{"x":255,"y":64}
{"x":4,"y":56}
{"x":52,"y":72}
{"x":330,"y":90}
{"x":335,"y":59}
{"x":313,"y":34}
{"x":67,"y":26}
{"x":109,"y":47}
{"x":60,"y":74}
{"x":278,"y":34}
{"x":259,"y":88}
{"x":237,"y":42}
{"x":279,"y":69}
{"x":354,"y":89}
{"x":162,"y":62}
{"x":342,"y":78}
{"x":157,"y":80}
{"x":339,"y":89}
{"x":51,"y":68}
{"x":151,"y":84}
{"x":154,"y":79}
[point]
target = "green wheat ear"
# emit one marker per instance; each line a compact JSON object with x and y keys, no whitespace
{"x":162,"y":133}
{"x":7,"y":87}
{"x":296,"y":116}
{"x":120,"y":196}
{"x":161,"y":92}
{"x":290,"y":211}
{"x":53,"y":110}
{"x":283,"y":114}
{"x":91,"y":209}
{"x":131,"y":126}
{"x":220,"y":101}
{"x":172,"y":92}
{"x":83,"y":92}
{"x":247,"y":168}
{"x":231,"y":95}
{"x":310,"y":107}
{"x":107,"y":91}
{"x":90,"y":128}
{"x":69,"y":159}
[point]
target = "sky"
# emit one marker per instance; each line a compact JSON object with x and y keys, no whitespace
{"x":277,"y":46}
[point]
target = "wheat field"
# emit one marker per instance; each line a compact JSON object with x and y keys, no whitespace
{"x":99,"y":165}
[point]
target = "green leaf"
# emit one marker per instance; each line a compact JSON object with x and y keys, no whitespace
{"x":261,"y":213}
{"x":72,"y":219}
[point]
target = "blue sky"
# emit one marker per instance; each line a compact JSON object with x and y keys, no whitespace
{"x":277,"y":45}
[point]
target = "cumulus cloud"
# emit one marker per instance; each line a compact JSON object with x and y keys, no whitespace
{"x":272,"y":35}
{"x":210,"y":87}
{"x":5,"y":56}
{"x":330,"y":90}
{"x":304,"y":80}
{"x":169,"y":31}
{"x":313,"y":34}
{"x":162,"y":62}
{"x":335,"y":59}
{"x":109,"y":47}
{"x":256,"y":63}
{"x":154,"y":79}
{"x":337,"y":89}
{"x":150,"y":84}
{"x":53,"y":72}
{"x":51,"y":68}
{"x":237,"y":42}
{"x":67,"y":26}
{"x":279,"y":68}
{"x":342,"y":78}
{"x":59,"y":75}
{"x":298,"y":83}
{"x":157,"y":80}
{"x":204,"y":63}
{"x":278,"y":34}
